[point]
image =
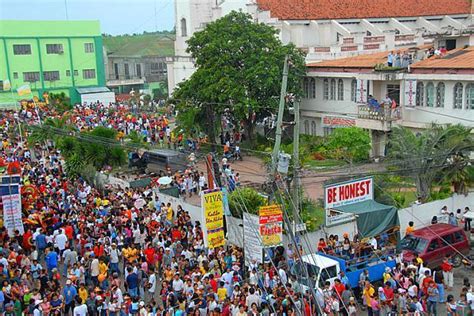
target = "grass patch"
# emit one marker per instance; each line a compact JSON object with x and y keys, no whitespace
{"x":327,"y":163}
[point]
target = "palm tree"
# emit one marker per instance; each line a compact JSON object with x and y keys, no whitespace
{"x":427,"y":155}
{"x":51,"y":129}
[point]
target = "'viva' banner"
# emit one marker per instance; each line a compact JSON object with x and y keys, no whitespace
{"x":213,"y":218}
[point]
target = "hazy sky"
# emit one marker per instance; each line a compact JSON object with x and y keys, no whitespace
{"x":116,"y":16}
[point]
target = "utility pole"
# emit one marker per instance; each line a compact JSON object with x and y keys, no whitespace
{"x":296,"y":163}
{"x":281,"y":108}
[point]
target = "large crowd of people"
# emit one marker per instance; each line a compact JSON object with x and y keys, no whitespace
{"x":91,"y":252}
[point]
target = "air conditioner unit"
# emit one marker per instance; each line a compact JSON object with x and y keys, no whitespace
{"x":61,"y":52}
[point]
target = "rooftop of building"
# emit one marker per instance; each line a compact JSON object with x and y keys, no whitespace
{"x":154,"y":44}
{"x":351,"y":9}
{"x":462,"y":58}
{"x":24,"y":28}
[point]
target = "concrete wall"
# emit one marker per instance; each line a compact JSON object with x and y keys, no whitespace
{"x":422,"y":214}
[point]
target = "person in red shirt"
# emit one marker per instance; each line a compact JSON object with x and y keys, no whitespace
{"x":98,"y":250}
{"x":175,"y":234}
{"x":339,"y":287}
{"x":389,"y":295}
{"x":69,"y":231}
{"x":27,"y":240}
{"x":149,"y":253}
{"x":447,"y":268}
{"x":322,"y":245}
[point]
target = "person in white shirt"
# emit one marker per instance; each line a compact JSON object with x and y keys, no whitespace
{"x":60,"y":241}
{"x":151,"y":283}
{"x":80,"y":309}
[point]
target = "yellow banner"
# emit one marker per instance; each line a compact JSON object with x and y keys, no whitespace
{"x":213,"y":210}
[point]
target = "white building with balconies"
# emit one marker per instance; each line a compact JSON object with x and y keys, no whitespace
{"x":327,"y":29}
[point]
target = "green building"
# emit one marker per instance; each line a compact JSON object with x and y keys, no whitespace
{"x":52,"y":56}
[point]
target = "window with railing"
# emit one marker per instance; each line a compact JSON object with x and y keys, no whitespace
{"x":420,"y":93}
{"x":88,"y":73}
{"x":440,"y":95}
{"x":54,"y":48}
{"x":22,"y":49}
{"x":354,"y":90}
{"x":333,"y":89}
{"x":457,"y":102}
{"x":51,"y":75}
{"x":430,"y":94}
{"x":326,"y":89}
{"x":32,"y":76}
{"x":340,"y":90}
{"x":470,"y":96}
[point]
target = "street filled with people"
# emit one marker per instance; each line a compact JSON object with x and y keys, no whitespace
{"x":86,"y":251}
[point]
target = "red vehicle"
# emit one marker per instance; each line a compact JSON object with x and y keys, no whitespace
{"x":434,"y":242}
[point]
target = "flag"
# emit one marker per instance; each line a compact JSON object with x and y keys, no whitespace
{"x":24,"y":90}
{"x":6,"y":85}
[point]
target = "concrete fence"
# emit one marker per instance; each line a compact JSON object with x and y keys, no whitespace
{"x":422,"y":214}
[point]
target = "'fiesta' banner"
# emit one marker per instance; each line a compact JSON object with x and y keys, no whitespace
{"x":213,"y":213}
{"x":271,"y":225}
{"x":350,"y":192}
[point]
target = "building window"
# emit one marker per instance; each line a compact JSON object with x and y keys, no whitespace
{"x":139,"y":70}
{"x":470,"y":96}
{"x":89,"y":47}
{"x":88,"y":73}
{"x":333,"y":89}
{"x":306,"y":127}
{"x":155,"y":68}
{"x":51,"y":75}
{"x":457,"y":104}
{"x":440,"y":95}
{"x":312,"y":88}
{"x":54,"y":48}
{"x":306,"y":87}
{"x":15,"y":75}
{"x":326,"y":89}
{"x":32,"y":76}
{"x":354,"y":90}
{"x":127,"y":71}
{"x":184,"y":30}
{"x":313,"y":128}
{"x":430,"y":95}
{"x":68,"y":73}
{"x":116,"y":70}
{"x":76,"y":73}
{"x":420,"y":94}
{"x":22,"y":49}
{"x":340,"y":90}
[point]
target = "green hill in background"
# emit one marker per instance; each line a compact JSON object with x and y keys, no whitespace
{"x":148,"y":44}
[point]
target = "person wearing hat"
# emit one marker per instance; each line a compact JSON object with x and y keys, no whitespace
{"x":69,"y":294}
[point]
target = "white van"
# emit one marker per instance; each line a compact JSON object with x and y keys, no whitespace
{"x":320,"y":270}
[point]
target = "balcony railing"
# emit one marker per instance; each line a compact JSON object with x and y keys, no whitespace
{"x":380,"y":113}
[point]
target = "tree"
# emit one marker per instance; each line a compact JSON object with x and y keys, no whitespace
{"x":351,"y":144}
{"x":245,"y":200}
{"x":430,"y":154}
{"x":51,"y":129}
{"x":239,"y":66}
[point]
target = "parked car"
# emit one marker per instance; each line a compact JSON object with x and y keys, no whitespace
{"x":158,"y":160}
{"x":434,"y":242}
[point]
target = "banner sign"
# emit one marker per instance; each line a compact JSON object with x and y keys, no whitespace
{"x":338,"y":121}
{"x":213,"y":213}
{"x":410,"y":93}
{"x":252,"y":243}
{"x":11,"y":202}
{"x":350,"y":192}
{"x":271,"y":225}
{"x":361,"y":94}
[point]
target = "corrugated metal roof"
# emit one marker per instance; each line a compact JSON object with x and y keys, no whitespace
{"x":92,"y":90}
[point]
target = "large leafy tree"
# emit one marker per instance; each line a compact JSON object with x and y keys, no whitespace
{"x":431,"y":154}
{"x":239,"y":63}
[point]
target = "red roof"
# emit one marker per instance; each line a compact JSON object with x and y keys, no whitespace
{"x":348,"y":9}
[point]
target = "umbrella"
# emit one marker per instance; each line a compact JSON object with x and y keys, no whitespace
{"x":139,"y":203}
{"x":164,"y":180}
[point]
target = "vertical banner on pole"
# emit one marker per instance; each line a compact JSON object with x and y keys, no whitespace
{"x":11,"y":202}
{"x":213,"y":218}
{"x":271,"y":225}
